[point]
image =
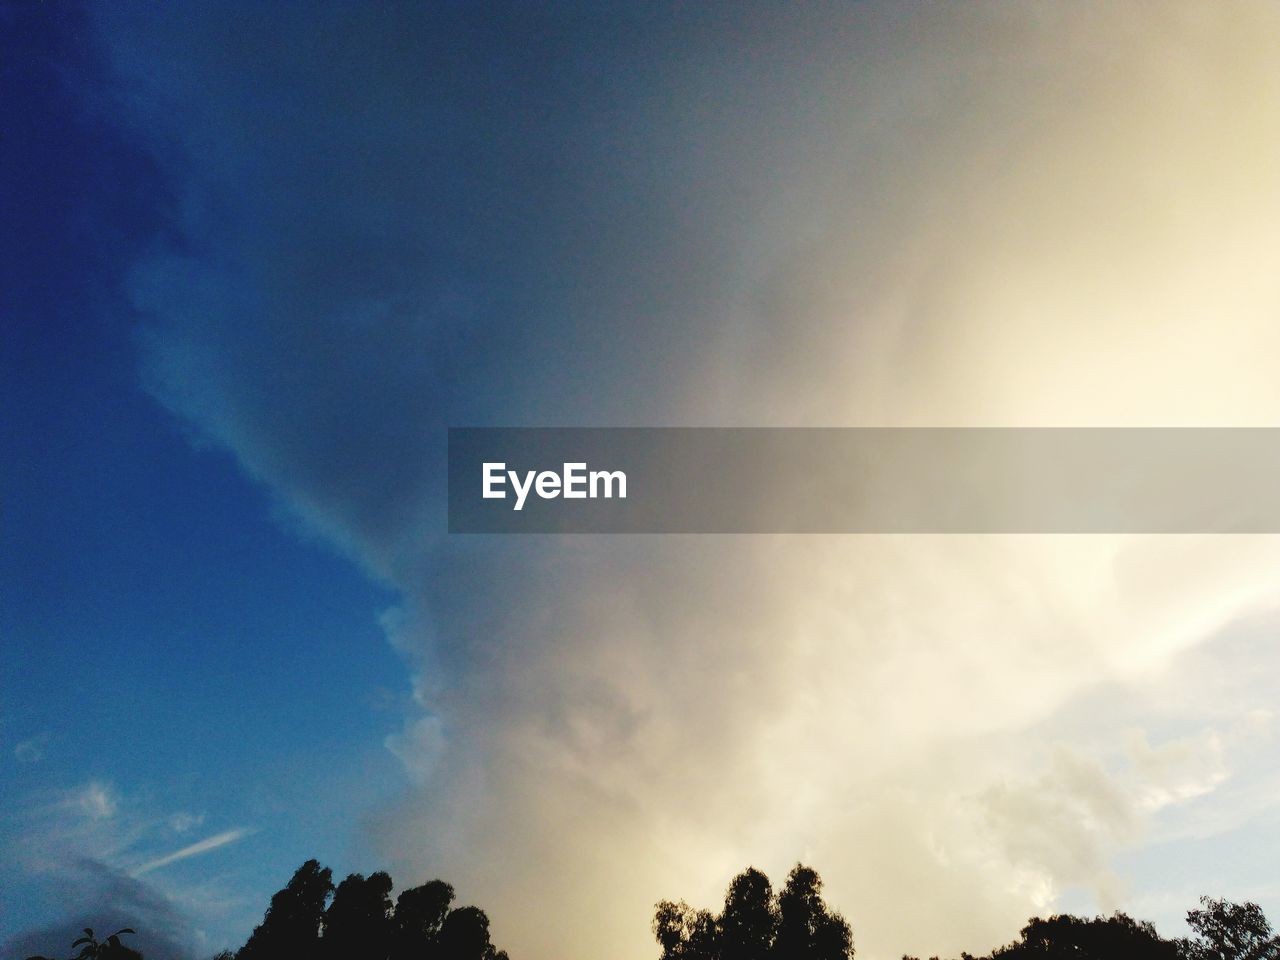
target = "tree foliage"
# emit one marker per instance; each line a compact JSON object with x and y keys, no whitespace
{"x":1098,"y":938}
{"x":1223,"y":931}
{"x":89,"y":947}
{"x":1229,"y":931}
{"x":419,"y":915}
{"x":291,"y":926}
{"x":311,"y":919}
{"x":755,"y":924}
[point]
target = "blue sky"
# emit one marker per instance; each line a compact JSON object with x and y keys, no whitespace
{"x":168,"y":635}
{"x":256,"y":258}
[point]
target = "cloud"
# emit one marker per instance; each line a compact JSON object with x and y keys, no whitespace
{"x":420,"y":746}
{"x":32,"y":749}
{"x":962,"y":215}
{"x":182,"y":822}
{"x":107,"y":900}
{"x":97,"y":801}
{"x":193,"y":850}
{"x":86,"y":849}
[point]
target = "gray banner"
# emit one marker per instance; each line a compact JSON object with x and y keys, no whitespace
{"x":832,"y":480}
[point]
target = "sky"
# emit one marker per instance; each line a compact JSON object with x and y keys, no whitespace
{"x":256,"y":258}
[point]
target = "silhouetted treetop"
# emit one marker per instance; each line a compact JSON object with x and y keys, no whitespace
{"x":291,"y":926}
{"x":806,"y":929}
{"x":1098,"y":938}
{"x":1223,"y":931}
{"x":756,"y":925}
{"x":310,"y":919}
{"x":1229,"y":931}
{"x":749,"y":922}
{"x":89,"y":947}
{"x":420,"y":912}
{"x":357,"y":922}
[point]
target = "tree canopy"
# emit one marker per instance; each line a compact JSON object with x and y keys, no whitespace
{"x":356,"y":920}
{"x":312,"y":919}
{"x":755,"y":924}
{"x":1222,"y":931}
{"x":1229,"y":931}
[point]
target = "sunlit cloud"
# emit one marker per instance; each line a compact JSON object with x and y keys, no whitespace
{"x":1042,"y":216}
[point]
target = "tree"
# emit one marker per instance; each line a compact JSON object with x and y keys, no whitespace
{"x":93,"y":949}
{"x":290,"y":929}
{"x":749,"y":921}
{"x":358,"y":921}
{"x":464,"y":935}
{"x":1118,"y":937}
{"x":704,"y":936}
{"x":1229,"y":931}
{"x":420,"y":913}
{"x":669,"y":928}
{"x":685,"y":933}
{"x":806,"y":929}
{"x":756,"y":925}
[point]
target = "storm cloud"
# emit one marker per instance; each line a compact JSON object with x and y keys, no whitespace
{"x":399,"y":219}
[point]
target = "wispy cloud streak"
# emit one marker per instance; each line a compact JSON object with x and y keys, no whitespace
{"x":194,"y":850}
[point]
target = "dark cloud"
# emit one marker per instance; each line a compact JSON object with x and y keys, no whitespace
{"x":108,"y":900}
{"x":398,"y":220}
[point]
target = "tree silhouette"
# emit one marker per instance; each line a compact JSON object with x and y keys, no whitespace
{"x":1223,"y":931}
{"x":806,"y":929}
{"x":756,"y":925}
{"x":1229,"y":931}
{"x":358,"y":921}
{"x":291,"y":926}
{"x":420,"y":913}
{"x":748,"y":924}
{"x":464,"y":935}
{"x":670,"y":928}
{"x":704,"y":936}
{"x":310,"y":919}
{"x":93,"y":949}
{"x":1100,"y":938}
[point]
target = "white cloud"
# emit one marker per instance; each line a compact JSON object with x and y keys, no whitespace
{"x":182,"y":822}
{"x":419,"y":747}
{"x":193,"y":850}
{"x":97,"y":801}
{"x":97,"y":841}
{"x":32,"y":750}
